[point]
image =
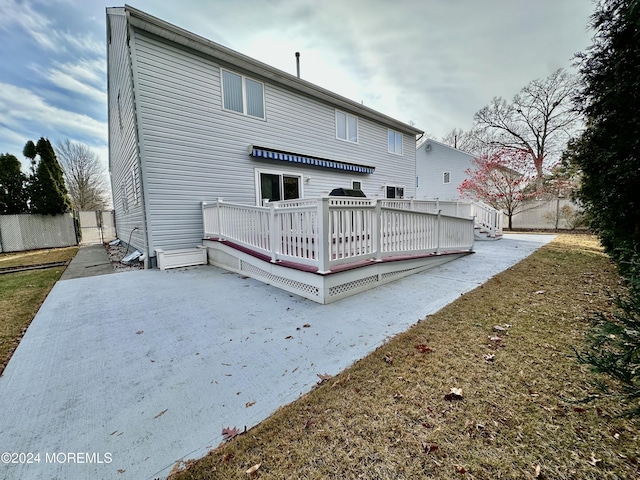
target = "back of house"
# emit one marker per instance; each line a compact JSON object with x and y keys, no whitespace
{"x":193,"y":121}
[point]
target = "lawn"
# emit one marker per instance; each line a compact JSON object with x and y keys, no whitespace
{"x":22,"y":293}
{"x":508,"y":347}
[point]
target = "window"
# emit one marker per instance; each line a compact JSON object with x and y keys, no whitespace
{"x":394,"y":191}
{"x":395,"y":142}
{"x":123,"y":198}
{"x":135,"y":186}
{"x":346,"y":127}
{"x":446,"y":177}
{"x":119,"y":111}
{"x":243,"y":95}
{"x":275,"y":186}
{"x":356,"y":185}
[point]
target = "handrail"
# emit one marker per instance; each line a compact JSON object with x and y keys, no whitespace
{"x":331,"y":231}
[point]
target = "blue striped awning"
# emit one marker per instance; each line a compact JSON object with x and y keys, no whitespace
{"x":315,"y":161}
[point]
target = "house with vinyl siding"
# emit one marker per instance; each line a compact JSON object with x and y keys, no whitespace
{"x":440,"y":170}
{"x":191,"y":121}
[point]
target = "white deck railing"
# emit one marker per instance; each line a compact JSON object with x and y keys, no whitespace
{"x":486,"y":217}
{"x":330,"y":231}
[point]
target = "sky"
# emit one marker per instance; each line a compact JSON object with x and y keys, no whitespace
{"x":431,"y":62}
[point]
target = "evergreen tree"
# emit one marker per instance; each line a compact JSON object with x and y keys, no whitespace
{"x":608,"y":156}
{"x":47,"y":189}
{"x":13,"y":192}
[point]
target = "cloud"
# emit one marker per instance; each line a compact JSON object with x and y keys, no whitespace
{"x":85,"y":77}
{"x":43,"y":30}
{"x":26,"y":111}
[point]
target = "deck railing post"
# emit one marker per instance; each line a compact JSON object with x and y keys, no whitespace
{"x":438,"y":231}
{"x":324,"y":239}
{"x":204,"y":219}
{"x":273,"y":234}
{"x":219,"y":217}
{"x":377,"y":231}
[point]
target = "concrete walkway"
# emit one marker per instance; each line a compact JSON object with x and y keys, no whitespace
{"x":91,"y":260}
{"x":120,"y":376}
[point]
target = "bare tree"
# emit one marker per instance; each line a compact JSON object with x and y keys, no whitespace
{"x":84,"y":175}
{"x":470,"y":141}
{"x":539,"y":120}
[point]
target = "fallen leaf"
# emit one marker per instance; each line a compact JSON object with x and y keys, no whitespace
{"x":388,"y":358}
{"x":229,"y":433}
{"x":460,"y":469}
{"x":288,"y":337}
{"x":323,"y":377}
{"x":139,"y":332}
{"x":253,"y":469}
{"x":490,"y":357}
{"x":121,"y":470}
{"x":424,"y":349}
{"x":398,"y":396}
{"x":580,"y":409}
{"x":454,"y":394}
{"x":306,"y":325}
{"x":494,"y":338}
{"x":429,"y":447}
{"x":538,"y":470}
{"x":249,"y":404}
{"x":498,"y":328}
{"x":540,"y":292}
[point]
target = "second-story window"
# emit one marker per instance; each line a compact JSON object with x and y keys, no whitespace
{"x":346,"y":127}
{"x":242,"y":94}
{"x":395,"y":142}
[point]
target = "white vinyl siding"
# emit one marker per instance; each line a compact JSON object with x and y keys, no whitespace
{"x":195,"y":150}
{"x":346,"y":127}
{"x":242,"y":94}
{"x":395,"y":142}
{"x":123,"y":139}
{"x":442,"y":169}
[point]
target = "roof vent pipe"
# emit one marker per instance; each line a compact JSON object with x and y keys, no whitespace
{"x":298,"y":63}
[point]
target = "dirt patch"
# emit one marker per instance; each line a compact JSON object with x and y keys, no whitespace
{"x":117,"y":253}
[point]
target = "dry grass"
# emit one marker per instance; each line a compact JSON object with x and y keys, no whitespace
{"x":519,"y":418}
{"x":22,"y":293}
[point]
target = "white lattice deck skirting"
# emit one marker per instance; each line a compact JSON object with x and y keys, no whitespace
{"x":322,"y":288}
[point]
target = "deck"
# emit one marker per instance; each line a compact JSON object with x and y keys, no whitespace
{"x":329,"y":248}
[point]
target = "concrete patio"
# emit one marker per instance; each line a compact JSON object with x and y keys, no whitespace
{"x":120,"y":376}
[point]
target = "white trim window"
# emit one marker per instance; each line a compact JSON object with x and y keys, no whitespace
{"x":395,"y":142}
{"x":394,"y":191}
{"x":242,"y":94}
{"x":275,"y":185}
{"x":446,"y":177}
{"x":356,"y":185}
{"x":346,"y":127}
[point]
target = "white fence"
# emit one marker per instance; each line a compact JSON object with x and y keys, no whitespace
{"x":30,"y":232}
{"x":326,"y":232}
{"x":542,"y":214}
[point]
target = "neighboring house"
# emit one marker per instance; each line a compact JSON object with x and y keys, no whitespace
{"x":440,"y":170}
{"x":191,"y":121}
